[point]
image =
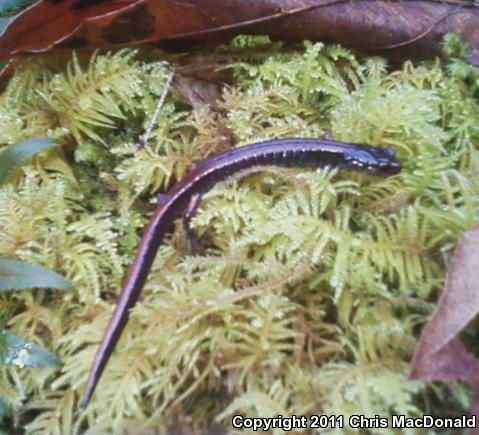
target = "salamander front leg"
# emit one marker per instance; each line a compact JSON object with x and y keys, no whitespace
{"x":162,"y":198}
{"x":191,"y":239}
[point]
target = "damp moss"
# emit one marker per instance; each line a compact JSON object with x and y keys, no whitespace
{"x":313,"y":285}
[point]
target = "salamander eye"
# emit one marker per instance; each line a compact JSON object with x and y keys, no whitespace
{"x":390,"y":152}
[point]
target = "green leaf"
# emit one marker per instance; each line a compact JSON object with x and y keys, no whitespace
{"x":3,"y":409}
{"x":3,"y":25}
{"x":15,"y":275}
{"x":22,"y":353}
{"x":18,"y":153}
{"x":7,"y":4}
{"x":9,"y":7}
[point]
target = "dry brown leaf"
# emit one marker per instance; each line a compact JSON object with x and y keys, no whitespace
{"x":440,"y":355}
{"x":393,"y":28}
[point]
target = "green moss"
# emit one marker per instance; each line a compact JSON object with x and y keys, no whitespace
{"x":309,"y":297}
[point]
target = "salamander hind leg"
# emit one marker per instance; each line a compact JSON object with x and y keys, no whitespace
{"x":190,"y":236}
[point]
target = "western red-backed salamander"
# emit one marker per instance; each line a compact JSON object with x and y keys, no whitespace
{"x":185,"y":196}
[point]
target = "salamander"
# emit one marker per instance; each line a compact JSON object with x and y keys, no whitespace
{"x":185,"y":196}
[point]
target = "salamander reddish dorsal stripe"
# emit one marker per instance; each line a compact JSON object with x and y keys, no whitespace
{"x":185,"y":196}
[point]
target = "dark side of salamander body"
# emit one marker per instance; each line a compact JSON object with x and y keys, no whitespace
{"x":185,"y":195}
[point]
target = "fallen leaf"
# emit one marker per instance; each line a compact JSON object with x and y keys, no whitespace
{"x":16,"y":275}
{"x":440,"y":355}
{"x":199,"y":93}
{"x":18,"y":153}
{"x":393,"y":28}
{"x":21,"y":353}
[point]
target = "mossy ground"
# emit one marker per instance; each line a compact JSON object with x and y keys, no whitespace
{"x":314,"y":284}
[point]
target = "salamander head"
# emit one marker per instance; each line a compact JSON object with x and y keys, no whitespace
{"x":374,"y":161}
{"x":388,"y":163}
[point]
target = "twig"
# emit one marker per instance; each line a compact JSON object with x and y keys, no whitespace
{"x":146,"y":135}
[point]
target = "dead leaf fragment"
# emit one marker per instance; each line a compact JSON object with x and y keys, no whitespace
{"x":440,"y":355}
